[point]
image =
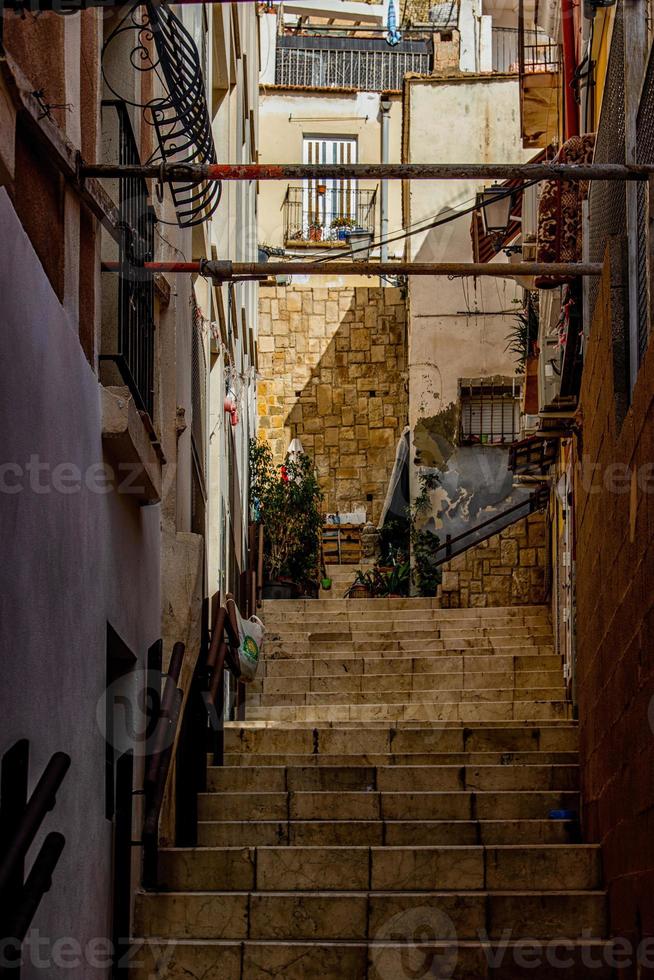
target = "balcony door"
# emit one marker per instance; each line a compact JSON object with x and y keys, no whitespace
{"x":328,"y":205}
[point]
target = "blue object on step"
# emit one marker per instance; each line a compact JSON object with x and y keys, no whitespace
{"x":563,"y":815}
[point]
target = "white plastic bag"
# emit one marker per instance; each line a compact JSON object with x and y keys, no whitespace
{"x":251,"y":633}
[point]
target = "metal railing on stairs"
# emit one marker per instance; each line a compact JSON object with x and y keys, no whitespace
{"x":457,"y":544}
{"x":187,"y":727}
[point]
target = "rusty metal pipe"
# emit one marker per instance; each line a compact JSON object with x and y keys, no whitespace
{"x":225,"y":271}
{"x":370,"y":171}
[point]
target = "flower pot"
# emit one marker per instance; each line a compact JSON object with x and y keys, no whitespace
{"x":315,"y":234}
{"x":358,"y":592}
{"x":277,"y":590}
{"x":326,"y":584}
{"x":341,"y":234}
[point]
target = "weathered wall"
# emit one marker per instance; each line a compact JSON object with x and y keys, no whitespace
{"x":509,"y":569}
{"x":76,"y":555}
{"x":332,"y":367}
{"x":615,"y":625}
{"x":287,"y":116}
{"x":457,"y":328}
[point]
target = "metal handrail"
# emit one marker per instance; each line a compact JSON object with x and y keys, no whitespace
{"x":535,"y":501}
{"x":158,"y":766}
{"x":187,"y":729}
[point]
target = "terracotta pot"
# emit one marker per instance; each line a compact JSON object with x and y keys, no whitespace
{"x":359,"y":592}
{"x":531,"y":385}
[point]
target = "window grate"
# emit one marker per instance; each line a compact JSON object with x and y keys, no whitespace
{"x":366,"y":65}
{"x":644,"y":154}
{"x":489,"y":414}
{"x":607,"y":200}
{"x":134,"y":356}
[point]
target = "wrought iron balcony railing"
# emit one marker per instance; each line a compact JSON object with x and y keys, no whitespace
{"x":315,"y":214}
{"x":131,"y":346}
{"x":366,"y":64}
{"x":538,"y":53}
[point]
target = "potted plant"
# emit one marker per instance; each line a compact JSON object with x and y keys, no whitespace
{"x":341,"y":225}
{"x":362,"y":587}
{"x":286,"y":499}
{"x":315,"y":231}
{"x":326,"y":583}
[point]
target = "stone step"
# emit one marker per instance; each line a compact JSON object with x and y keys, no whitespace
{"x":469,"y":680}
{"x":369,"y":833}
{"x":242,"y":759}
{"x":435,"y":711}
{"x":538,"y":658}
{"x":372,"y":607}
{"x":342,"y":648}
{"x":364,"y":779}
{"x":427,"y":621}
{"x":456,"y":804}
{"x":433,"y":695}
{"x":377,"y":631}
{"x":325,"y":740}
{"x":361,"y":915}
{"x":177,"y":959}
{"x":532,"y":867}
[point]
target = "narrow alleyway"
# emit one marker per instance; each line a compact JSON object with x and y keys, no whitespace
{"x":400,"y":802}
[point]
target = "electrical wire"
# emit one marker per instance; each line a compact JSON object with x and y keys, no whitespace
{"x":416,"y":231}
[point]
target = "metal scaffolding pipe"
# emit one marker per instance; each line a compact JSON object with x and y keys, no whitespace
{"x":225,"y":271}
{"x":370,"y":171}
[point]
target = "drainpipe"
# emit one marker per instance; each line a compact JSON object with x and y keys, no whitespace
{"x":385,"y":109}
{"x":569,"y":69}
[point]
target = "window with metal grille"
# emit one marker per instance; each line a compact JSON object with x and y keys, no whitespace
{"x":489,"y":412}
{"x":130,"y":344}
{"x":198,"y":438}
{"x":366,"y":64}
{"x":644,"y":154}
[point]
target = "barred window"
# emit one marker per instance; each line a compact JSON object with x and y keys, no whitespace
{"x":489,"y":411}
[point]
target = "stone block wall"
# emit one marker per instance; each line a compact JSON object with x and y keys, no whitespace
{"x":332,"y":370}
{"x":509,"y":569}
{"x":614,"y":523}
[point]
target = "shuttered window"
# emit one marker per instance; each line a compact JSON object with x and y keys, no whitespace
{"x":325,"y":200}
{"x":489,"y":413}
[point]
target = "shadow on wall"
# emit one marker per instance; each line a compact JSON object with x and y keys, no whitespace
{"x":344,"y":386}
{"x":475,"y":481}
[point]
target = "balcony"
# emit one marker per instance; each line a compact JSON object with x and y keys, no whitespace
{"x":322,"y":215}
{"x":540,"y":85}
{"x":540,"y":54}
{"x":364,"y":64}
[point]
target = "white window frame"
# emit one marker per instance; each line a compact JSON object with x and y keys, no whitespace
{"x":339,"y":197}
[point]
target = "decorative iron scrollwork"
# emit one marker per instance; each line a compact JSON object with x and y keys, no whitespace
{"x":157,"y":42}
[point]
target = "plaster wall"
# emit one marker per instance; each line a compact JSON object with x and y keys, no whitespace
{"x":286,"y":117}
{"x":74,"y":559}
{"x":457,"y":328}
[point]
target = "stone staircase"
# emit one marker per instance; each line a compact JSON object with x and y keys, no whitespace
{"x":393,"y":807}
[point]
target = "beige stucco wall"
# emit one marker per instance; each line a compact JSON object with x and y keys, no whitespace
{"x":332,"y":373}
{"x":286,"y":117}
{"x":458,"y":327}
